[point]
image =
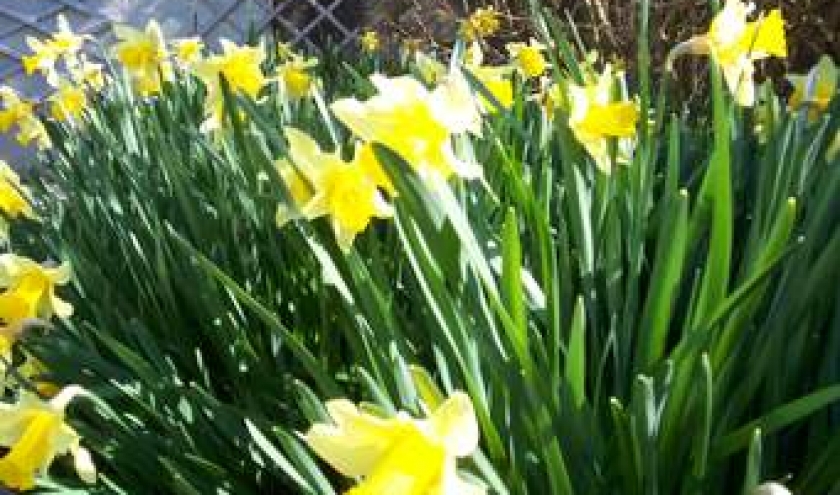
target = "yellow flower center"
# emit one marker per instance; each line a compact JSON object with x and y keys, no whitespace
{"x":350,"y":197}
{"x":297,"y":82}
{"x":141,"y":55}
{"x":412,"y":466}
{"x":613,"y":119}
{"x":531,"y":61}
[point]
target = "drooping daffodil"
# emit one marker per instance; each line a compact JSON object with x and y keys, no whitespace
{"x":322,"y":184}
{"x":30,"y":290}
{"x":400,"y":455}
{"x":736,"y":44}
{"x":595,"y":119}
{"x":815,"y":89}
{"x":36,"y":432}
{"x":144,"y":55}
{"x":416,"y":123}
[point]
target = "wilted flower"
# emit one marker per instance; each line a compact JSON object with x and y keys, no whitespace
{"x":595,"y":118}
{"x":736,"y":44}
{"x":815,"y":89}
{"x":322,"y":184}
{"x":528,"y":58}
{"x":400,"y":455}
{"x":143,"y":53}
{"x":414,"y":122}
{"x":36,"y":433}
{"x":482,"y":23}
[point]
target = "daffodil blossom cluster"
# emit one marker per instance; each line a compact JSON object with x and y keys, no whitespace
{"x":33,"y":429}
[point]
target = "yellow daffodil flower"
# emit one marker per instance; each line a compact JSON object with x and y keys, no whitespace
{"x":241,"y":67}
{"x":143,"y":54}
{"x":88,"y":74}
{"x":322,"y":184}
{"x":482,"y":23}
{"x":19,"y":112}
{"x":815,"y":89}
{"x":68,"y":102}
{"x":366,"y":159}
{"x":295,"y":77}
{"x":528,"y":58}
{"x":14,"y":200}
{"x":64,"y":43}
{"x":400,"y":455}
{"x":43,"y":58}
{"x":36,"y":432}
{"x":736,"y":43}
{"x":495,"y":79}
{"x":595,"y":119}
{"x":369,"y":41}
{"x":188,"y":51}
{"x":30,"y":290}
{"x":414,"y":122}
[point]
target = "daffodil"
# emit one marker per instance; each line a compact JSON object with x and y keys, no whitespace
{"x":14,"y":200}
{"x":88,"y":74}
{"x":42,"y":59}
{"x":241,"y":66}
{"x":68,"y":101}
{"x":495,"y":79}
{"x":414,"y":122}
{"x":482,"y":23}
{"x":528,"y":58}
{"x":36,"y":432}
{"x":30,"y":290}
{"x":143,"y":54}
{"x":815,"y":89}
{"x":295,"y":76}
{"x":188,"y":50}
{"x":400,"y":455}
{"x":64,"y":43}
{"x":369,"y":41}
{"x":366,"y":159}
{"x":595,"y":119}
{"x":736,"y":43}
{"x":322,"y":184}
{"x":20,"y":113}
